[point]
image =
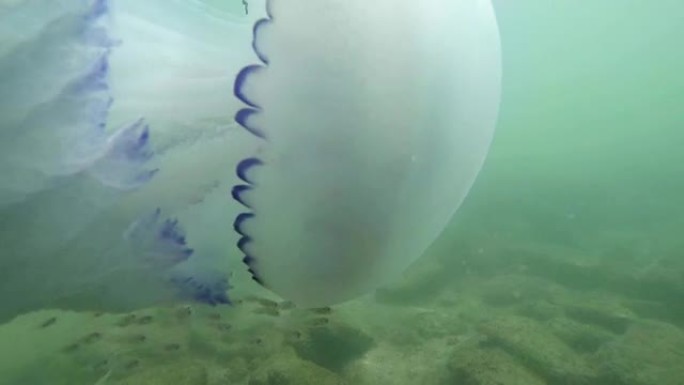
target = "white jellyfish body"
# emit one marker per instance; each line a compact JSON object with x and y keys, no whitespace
{"x":375,"y":119}
{"x":366,"y":124}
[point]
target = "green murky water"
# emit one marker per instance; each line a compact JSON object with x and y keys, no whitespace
{"x":565,"y":266}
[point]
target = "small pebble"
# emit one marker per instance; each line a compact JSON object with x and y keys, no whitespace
{"x":267,"y":303}
{"x":132,"y":364}
{"x":71,"y":348}
{"x":267,"y":311}
{"x":138,"y":338}
{"x":126,"y":320}
{"x":92,"y":337}
{"x":172,"y":347}
{"x":184,"y":312}
{"x":262,"y":301}
{"x":48,"y":322}
{"x":224,"y":327}
{"x":320,"y":322}
{"x":322,"y":310}
{"x":101,"y":365}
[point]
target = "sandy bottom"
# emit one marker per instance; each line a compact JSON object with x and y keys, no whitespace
{"x":507,"y":316}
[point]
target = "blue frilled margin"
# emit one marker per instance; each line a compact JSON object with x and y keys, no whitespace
{"x":243,"y":118}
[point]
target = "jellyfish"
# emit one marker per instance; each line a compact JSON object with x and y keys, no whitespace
{"x":375,"y":118}
{"x":168,"y":151}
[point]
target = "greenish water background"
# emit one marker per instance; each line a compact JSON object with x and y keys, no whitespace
{"x":591,"y":107}
{"x":575,"y":223}
{"x":588,"y":152}
{"x":591,"y":119}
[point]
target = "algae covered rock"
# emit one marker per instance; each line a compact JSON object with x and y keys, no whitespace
{"x":389,"y":364}
{"x":288,"y":370}
{"x":332,"y":346}
{"x":489,"y":366}
{"x":605,"y":313}
{"x":650,"y":353}
{"x":176,"y":373}
{"x":582,"y":338}
{"x":538,"y":350}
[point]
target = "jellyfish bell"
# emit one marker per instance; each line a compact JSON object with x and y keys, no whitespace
{"x":374,"y":119}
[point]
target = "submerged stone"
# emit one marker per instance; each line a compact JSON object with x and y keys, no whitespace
{"x":539,"y":350}
{"x":489,"y":366}
{"x":176,"y":373}
{"x":290,"y":371}
{"x":333,"y":347}
{"x":650,"y":353}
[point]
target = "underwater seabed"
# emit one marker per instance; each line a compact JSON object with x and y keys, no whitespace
{"x":497,"y":301}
